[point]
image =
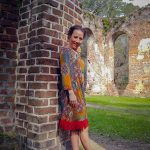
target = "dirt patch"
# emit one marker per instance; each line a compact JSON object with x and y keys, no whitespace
{"x":109,"y":143}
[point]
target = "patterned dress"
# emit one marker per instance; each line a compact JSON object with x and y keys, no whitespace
{"x":72,"y":72}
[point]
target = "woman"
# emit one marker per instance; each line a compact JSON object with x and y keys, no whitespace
{"x":74,"y":114}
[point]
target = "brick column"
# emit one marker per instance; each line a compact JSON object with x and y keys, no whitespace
{"x":8,"y":62}
{"x":42,"y":32}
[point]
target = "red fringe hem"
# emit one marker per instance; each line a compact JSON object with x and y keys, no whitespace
{"x":74,"y":125}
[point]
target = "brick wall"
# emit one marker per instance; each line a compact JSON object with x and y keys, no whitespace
{"x":41,"y":34}
{"x":8,"y":62}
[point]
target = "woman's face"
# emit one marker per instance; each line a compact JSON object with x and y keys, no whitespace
{"x":76,"y":39}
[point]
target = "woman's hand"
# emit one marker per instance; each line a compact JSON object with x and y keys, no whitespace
{"x":72,"y":98}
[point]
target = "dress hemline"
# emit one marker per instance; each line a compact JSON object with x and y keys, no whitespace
{"x":74,"y":125}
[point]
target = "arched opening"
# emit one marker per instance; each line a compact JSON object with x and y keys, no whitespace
{"x":121,"y":61}
{"x":84,"y":51}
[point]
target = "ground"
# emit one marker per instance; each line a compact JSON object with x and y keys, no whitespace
{"x":109,"y":143}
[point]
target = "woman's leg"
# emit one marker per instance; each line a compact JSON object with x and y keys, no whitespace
{"x":84,"y":137}
{"x":75,"y":140}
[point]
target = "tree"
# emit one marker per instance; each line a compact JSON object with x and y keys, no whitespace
{"x":108,"y":8}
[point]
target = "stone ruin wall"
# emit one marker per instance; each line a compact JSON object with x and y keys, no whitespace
{"x":30,"y":41}
{"x":100,"y":68}
{"x":136,"y":27}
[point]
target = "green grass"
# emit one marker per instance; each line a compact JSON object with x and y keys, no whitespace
{"x":121,"y":124}
{"x":121,"y":102}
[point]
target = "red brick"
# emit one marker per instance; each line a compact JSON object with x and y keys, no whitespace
{"x":11,"y":70}
{"x":23,"y":9}
{"x":68,"y":17}
{"x":3,"y":77}
{"x":37,"y":102}
{"x":5,"y":121}
{"x":5,"y":45}
{"x":47,"y":32}
{"x":20,"y":130}
{"x":22,"y":70}
{"x":30,"y":78}
{"x":24,"y":43}
{"x":20,"y":107}
{"x":34,"y":70}
{"x":22,"y":23}
{"x":21,"y":77}
{"x":10,"y":30}
{"x":21,"y":92}
{"x":3,"y":92}
{"x":4,"y":106}
{"x":51,"y":2}
{"x":23,"y":30}
{"x":32,"y":33}
{"x":66,"y":9}
{"x":57,"y":42}
{"x":23,"y":100}
{"x":45,"y":61}
{"x":25,"y":15}
{"x":39,"y":54}
{"x":41,"y":8}
{"x":10,"y":99}
{"x":30,"y":62}
{"x":37,"y":85}
{"x":55,"y":55}
{"x":51,"y":47}
{"x":36,"y":136}
{"x":3,"y":113}
{"x":22,"y":116}
{"x":21,"y":50}
{"x":57,"y":12}
{"x":69,"y":4}
{"x":29,"y":93}
{"x":4,"y":61}
{"x":55,"y":70}
{"x":79,"y":11}
{"x":46,"y":78}
{"x":54,"y":101}
{"x":26,"y":2}
{"x":23,"y":56}
{"x":53,"y":118}
{"x":45,"y":94}
{"x":22,"y":36}
{"x":29,"y":109}
{"x":37,"y":119}
{"x":22,"y":85}
{"x":44,"y":69}
{"x":57,"y":27}
{"x":21,"y":63}
{"x":53,"y":86}
{"x":44,"y":110}
{"x":48,"y":17}
{"x":71,"y":12}
{"x":19,"y":122}
{"x":11,"y":54}
{"x":40,"y":23}
{"x":48,"y":127}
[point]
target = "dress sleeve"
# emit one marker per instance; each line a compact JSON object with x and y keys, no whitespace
{"x":65,"y":71}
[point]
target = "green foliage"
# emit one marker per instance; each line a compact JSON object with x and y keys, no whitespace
{"x":106,"y":25}
{"x":108,"y":8}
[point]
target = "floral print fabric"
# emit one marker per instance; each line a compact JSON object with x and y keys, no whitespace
{"x":72,"y":72}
